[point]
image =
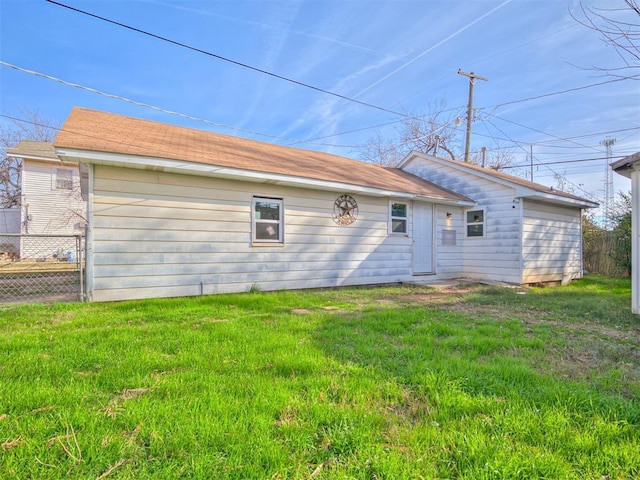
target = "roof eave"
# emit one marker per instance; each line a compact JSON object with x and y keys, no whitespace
{"x":521,"y":190}
{"x":202,"y":169}
{"x":17,"y":154}
{"x":556,"y":199}
{"x":627,"y":165}
{"x":453,"y":203}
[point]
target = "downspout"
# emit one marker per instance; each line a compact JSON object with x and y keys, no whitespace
{"x":27,"y":219}
{"x":635,"y":240}
{"x":520,"y":202}
{"x":581,"y":273}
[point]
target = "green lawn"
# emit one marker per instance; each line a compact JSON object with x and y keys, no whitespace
{"x":364,"y":383}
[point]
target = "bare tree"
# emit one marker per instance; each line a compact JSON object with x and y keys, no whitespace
{"x":621,"y":34}
{"x":498,"y":158}
{"x":26,"y":125}
{"x":426,"y":133}
{"x":420,"y":133}
{"x":562,"y":183}
{"x":10,"y":168}
{"x":383,"y":151}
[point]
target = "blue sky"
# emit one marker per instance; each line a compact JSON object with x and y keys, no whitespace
{"x":402,"y":56}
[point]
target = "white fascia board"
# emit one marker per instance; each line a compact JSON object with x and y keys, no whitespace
{"x":626,"y":168}
{"x":521,"y":191}
{"x":441,"y":201}
{"x":555,"y":199}
{"x":202,"y":169}
{"x":406,"y":160}
{"x":35,"y":157}
{"x":460,"y":166}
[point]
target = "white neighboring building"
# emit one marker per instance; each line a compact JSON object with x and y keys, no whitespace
{"x":9,"y":220}
{"x":51,"y":201}
{"x":630,"y":168}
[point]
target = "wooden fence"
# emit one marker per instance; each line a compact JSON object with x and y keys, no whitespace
{"x":607,"y":254}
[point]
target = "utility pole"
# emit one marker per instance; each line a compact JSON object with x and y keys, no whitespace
{"x":531,"y":159}
{"x":608,"y":184}
{"x":472,"y":80}
{"x":436,"y":146}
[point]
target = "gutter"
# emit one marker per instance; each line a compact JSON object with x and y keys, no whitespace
{"x":202,"y":169}
{"x":558,"y":200}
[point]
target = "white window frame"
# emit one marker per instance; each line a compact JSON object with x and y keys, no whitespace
{"x":393,"y":217}
{"x":483,"y":223}
{"x":68,"y":179}
{"x":280,"y":222}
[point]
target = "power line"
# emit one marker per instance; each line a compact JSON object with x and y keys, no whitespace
{"x":556,"y":139}
{"x":588,"y":194}
{"x":540,"y":131}
{"x":545,"y":95}
{"x":60,"y":129}
{"x":160,"y":109}
{"x":225,"y":59}
{"x":306,"y":85}
{"x":545,"y":143}
{"x":348,"y":132}
{"x":590,"y":135}
{"x":561,"y":162}
{"x":303,"y":84}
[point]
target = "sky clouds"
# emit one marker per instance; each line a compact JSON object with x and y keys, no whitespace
{"x":402,"y":55}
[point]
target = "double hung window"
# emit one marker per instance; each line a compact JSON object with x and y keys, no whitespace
{"x":399,"y":218}
{"x":268,"y":224}
{"x":63,"y":179}
{"x":475,"y":223}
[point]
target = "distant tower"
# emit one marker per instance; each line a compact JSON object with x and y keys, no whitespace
{"x":608,"y":184}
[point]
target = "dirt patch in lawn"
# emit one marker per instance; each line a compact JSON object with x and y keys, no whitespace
{"x":577,"y":350}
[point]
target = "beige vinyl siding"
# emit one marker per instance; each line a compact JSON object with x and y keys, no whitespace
{"x":496,"y":256}
{"x":158,"y":234}
{"x":552,"y":243}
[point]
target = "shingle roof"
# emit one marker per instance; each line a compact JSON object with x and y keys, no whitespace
{"x":96,"y":131}
{"x":536,"y":187}
{"x":33,"y":149}
{"x":626,"y":162}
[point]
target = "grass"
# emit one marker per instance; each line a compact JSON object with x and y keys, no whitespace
{"x":35,"y":267}
{"x":364,"y":383}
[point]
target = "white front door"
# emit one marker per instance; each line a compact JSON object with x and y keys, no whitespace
{"x":422,"y":238}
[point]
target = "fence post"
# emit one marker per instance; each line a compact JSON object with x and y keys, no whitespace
{"x":41,"y":268}
{"x":80,"y":272}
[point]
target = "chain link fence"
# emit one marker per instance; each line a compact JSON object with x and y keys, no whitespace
{"x":41,"y":268}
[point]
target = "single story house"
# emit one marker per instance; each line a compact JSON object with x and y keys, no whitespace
{"x":174,"y":211}
{"x":630,"y":168}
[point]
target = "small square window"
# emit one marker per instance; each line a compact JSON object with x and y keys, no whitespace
{"x":475,"y":223}
{"x":399,"y":218}
{"x":267,"y":220}
{"x":64,"y":179}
